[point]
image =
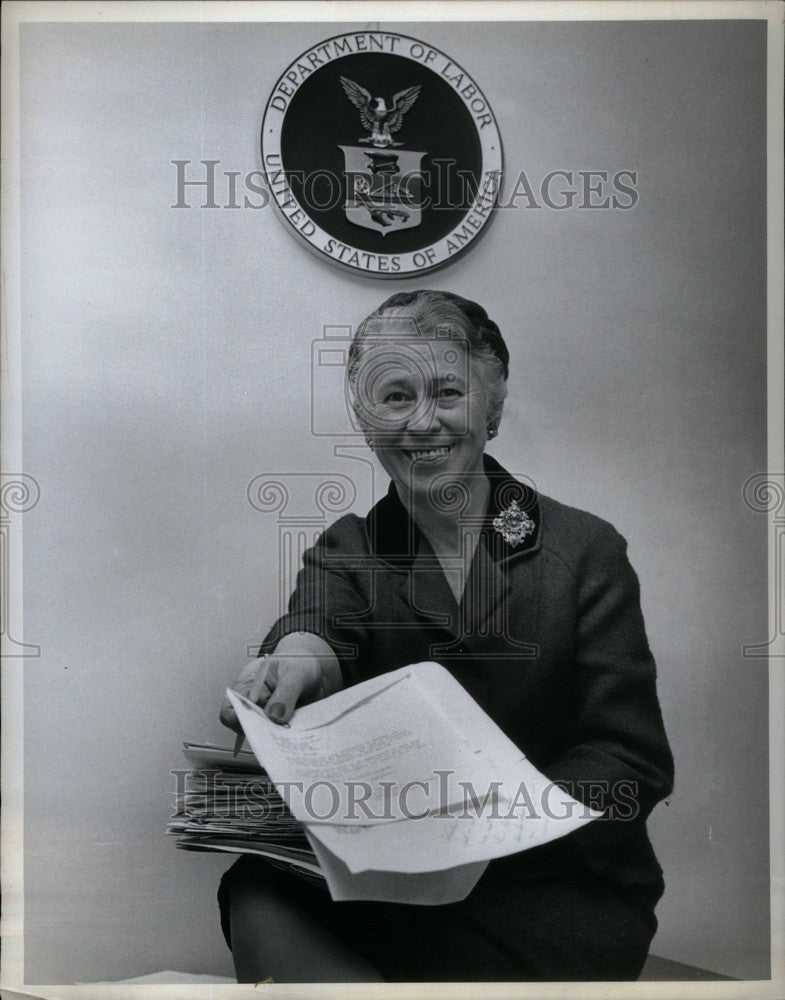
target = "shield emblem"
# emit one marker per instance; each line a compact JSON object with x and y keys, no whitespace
{"x":383,"y":188}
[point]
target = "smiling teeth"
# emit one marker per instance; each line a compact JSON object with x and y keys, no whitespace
{"x":431,"y":452}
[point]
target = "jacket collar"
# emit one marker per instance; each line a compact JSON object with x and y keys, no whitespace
{"x":395,"y":538}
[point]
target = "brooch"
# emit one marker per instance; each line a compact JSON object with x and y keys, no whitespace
{"x":513,"y":524}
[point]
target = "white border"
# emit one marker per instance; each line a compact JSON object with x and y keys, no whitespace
{"x":14,"y":13}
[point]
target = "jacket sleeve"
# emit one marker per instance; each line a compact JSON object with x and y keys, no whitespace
{"x":620,"y":755}
{"x":327,"y":601}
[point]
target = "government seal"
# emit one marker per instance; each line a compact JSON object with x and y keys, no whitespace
{"x":382,"y":154}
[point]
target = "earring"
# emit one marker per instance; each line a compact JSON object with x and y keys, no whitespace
{"x":493,"y":430}
{"x":369,"y":441}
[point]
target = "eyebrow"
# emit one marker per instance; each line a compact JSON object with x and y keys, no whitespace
{"x":405,"y":381}
{"x":393,"y":382}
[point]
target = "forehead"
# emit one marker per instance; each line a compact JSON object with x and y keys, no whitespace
{"x":397,"y":351}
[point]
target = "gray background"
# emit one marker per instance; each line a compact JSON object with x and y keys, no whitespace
{"x":166,"y":360}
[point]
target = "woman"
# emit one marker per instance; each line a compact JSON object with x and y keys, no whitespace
{"x":535,"y":609}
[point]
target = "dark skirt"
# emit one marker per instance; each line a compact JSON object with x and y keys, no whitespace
{"x":573,"y":927}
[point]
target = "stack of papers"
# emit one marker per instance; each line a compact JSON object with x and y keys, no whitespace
{"x":228,"y":803}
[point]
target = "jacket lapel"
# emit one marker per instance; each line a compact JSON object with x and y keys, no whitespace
{"x":430,"y":595}
{"x":485,"y":594}
{"x":419,"y":581}
{"x":417,"y":577}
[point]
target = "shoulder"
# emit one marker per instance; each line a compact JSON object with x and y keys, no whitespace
{"x":347,"y":534}
{"x":577,"y":537}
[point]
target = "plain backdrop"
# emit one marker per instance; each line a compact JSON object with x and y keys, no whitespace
{"x":167,"y":363}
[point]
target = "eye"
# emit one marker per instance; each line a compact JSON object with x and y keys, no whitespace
{"x":396,"y":396}
{"x":449,"y":392}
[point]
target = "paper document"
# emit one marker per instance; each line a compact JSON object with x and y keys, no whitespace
{"x":405,"y":773}
{"x":423,"y":888}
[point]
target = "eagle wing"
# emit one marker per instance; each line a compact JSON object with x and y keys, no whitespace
{"x":361,"y":99}
{"x":402,"y":101}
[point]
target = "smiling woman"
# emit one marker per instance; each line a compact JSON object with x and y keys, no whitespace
{"x":428,"y":373}
{"x":535,"y":610}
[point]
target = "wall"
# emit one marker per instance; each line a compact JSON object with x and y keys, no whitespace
{"x":165,"y":359}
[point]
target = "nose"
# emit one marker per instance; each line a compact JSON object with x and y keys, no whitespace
{"x":423,"y":418}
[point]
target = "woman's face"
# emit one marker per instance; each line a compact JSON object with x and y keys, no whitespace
{"x":424,"y":404}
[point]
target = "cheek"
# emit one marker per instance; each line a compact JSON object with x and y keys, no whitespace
{"x":476,"y":415}
{"x":389,"y":455}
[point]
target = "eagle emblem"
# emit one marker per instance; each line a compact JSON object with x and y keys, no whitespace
{"x":382,"y":122}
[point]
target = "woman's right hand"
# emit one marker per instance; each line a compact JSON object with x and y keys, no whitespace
{"x":301,"y":669}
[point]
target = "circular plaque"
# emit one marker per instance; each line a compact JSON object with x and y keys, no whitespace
{"x":382,"y":154}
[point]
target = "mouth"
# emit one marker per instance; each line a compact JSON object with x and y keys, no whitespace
{"x":427,"y":454}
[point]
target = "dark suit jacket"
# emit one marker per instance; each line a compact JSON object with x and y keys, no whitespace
{"x":549,"y":639}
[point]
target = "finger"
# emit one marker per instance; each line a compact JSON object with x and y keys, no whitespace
{"x":248,"y":675}
{"x":284,"y":698}
{"x":229,"y":717}
{"x":264,"y":684}
{"x":250,"y":684}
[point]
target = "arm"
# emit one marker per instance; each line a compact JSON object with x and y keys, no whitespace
{"x":619,"y":741}
{"x":306,"y":655}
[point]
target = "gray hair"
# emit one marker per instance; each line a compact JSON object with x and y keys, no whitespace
{"x":438,"y":314}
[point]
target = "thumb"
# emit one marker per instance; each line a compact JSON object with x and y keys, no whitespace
{"x":229,"y":717}
{"x":285,"y":696}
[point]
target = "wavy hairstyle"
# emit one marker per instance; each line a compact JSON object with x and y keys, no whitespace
{"x":435,"y":314}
